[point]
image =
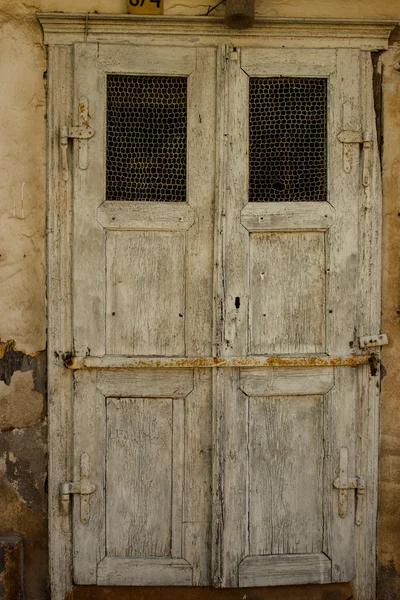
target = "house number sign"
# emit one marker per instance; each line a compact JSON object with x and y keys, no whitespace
{"x":146,"y":7}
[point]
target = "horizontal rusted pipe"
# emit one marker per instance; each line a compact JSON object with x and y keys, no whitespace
{"x":125,"y":362}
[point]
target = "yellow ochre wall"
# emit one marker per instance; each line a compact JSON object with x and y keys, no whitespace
{"x":23,"y":425}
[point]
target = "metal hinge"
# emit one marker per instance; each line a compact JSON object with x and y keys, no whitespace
{"x":372,"y":341}
{"x":344,"y":483}
{"x":84,"y":488}
{"x":348,"y":138}
{"x":230,"y":54}
{"x":82,"y":133}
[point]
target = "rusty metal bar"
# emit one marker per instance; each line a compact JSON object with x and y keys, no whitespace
{"x":126,"y":362}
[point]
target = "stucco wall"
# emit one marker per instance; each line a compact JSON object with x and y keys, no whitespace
{"x":389,"y":497}
{"x":22,"y":273}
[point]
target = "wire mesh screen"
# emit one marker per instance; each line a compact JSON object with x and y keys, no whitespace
{"x":288,"y":124}
{"x":146,"y":138}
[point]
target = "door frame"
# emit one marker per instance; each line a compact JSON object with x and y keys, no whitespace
{"x":61,"y":31}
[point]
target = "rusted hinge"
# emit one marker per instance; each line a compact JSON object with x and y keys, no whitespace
{"x":82,"y":132}
{"x":348,"y":138}
{"x":84,"y":488}
{"x":372,"y":341}
{"x":344,"y":483}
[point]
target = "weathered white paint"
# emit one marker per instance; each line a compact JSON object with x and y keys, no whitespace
{"x":278,"y":216}
{"x":285,"y":470}
{"x":145,"y":293}
{"x":160,"y":216}
{"x":287,"y":306}
{"x":286,"y":381}
{"x":285,"y":570}
{"x":232,"y":413}
{"x":307,"y":274}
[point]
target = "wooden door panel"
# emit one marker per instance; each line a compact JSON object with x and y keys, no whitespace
{"x":287,"y":293}
{"x":140,"y":436}
{"x":144,"y":458}
{"x":279,"y":381}
{"x":284,"y":434}
{"x":289,"y":569}
{"x":163,"y":281}
{"x":285,"y":463}
{"x":147,"y":432}
{"x":288,"y":262}
{"x":140,"y":457}
{"x":145,"y":293}
{"x":162,"y":216}
{"x":141,"y":571}
{"x":285,"y":216}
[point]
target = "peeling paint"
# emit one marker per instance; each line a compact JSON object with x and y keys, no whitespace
{"x":23,"y":453}
{"x":12,"y":360}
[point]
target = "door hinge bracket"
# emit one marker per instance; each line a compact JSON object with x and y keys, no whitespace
{"x":348,"y":138}
{"x":84,"y":488}
{"x":344,"y":483}
{"x":82,"y":132}
{"x":231,"y":53}
{"x":373,"y":341}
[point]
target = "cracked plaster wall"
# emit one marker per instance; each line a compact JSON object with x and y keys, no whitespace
{"x":22,"y":272}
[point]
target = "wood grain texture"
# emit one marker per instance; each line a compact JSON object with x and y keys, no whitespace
{"x":89,"y":437}
{"x":197,"y":506}
{"x":287,"y":307}
{"x":232,"y":476}
{"x":308,"y":62}
{"x":343,"y":194}
{"x":178,"y":433}
{"x":147,"y":60}
{"x":340,"y":432}
{"x":139,"y":476}
{"x":189,"y":31}
{"x":145,"y":216}
{"x":286,"y":380}
{"x":287,"y":216}
{"x":285,"y":570}
{"x":170,"y":383}
{"x":285,"y":465}
{"x":217,"y":547}
{"x":142,"y":571}
{"x":89,"y":258}
{"x":178,"y":473}
{"x":236,"y":238}
{"x":146,"y":293}
{"x":200,"y":197}
{"x":59,"y":324}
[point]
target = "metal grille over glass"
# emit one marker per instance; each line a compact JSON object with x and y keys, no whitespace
{"x":288,"y":139}
{"x":146,"y":138}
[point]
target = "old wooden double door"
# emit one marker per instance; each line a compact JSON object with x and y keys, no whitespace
{"x":216,"y":222}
